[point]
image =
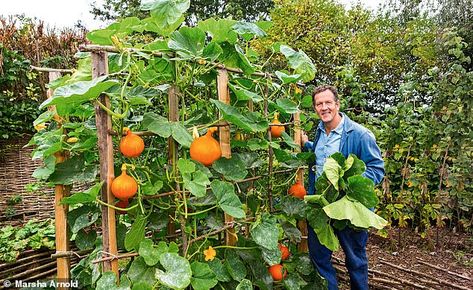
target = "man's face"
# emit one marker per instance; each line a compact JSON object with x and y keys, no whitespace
{"x":326,"y":106}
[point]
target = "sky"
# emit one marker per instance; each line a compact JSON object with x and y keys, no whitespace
{"x":66,"y":13}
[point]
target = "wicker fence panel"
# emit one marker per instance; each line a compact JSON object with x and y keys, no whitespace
{"x":16,"y":169}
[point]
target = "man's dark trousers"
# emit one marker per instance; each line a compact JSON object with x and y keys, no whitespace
{"x":353,"y":243}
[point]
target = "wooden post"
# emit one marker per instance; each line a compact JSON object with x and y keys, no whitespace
{"x":173,"y":105}
{"x":224,"y":137}
{"x":302,"y":224}
{"x":104,"y":126}
{"x":60,"y":210}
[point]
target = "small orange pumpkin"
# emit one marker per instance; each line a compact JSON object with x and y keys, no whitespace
{"x":131,"y":145}
{"x":276,"y":131}
{"x":206,"y":149}
{"x":277,"y":272}
{"x":124,"y":186}
{"x":297,"y":190}
{"x":284,"y":252}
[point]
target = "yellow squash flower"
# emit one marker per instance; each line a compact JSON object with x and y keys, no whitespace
{"x":40,"y":127}
{"x":210,"y":254}
{"x":72,"y":140}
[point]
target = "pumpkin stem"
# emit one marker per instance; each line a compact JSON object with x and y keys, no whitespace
{"x":124,"y":168}
{"x":195,"y":133}
{"x":276,"y":115}
{"x":211,"y":130}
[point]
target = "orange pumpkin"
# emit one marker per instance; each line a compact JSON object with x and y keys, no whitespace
{"x":277,"y":272}
{"x":124,"y":186}
{"x":297,"y":190}
{"x":131,"y":145}
{"x":206,"y":149}
{"x":276,"y":131}
{"x":284,"y":252}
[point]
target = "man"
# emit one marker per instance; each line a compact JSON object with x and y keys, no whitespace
{"x":337,"y":133}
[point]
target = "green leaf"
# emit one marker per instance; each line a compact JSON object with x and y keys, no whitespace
{"x":45,"y":171}
{"x":150,"y":189}
{"x":185,"y":166}
{"x":166,"y":11}
{"x":319,"y":221}
{"x":293,"y":207}
{"x":198,"y":184}
{"x":180,"y":134}
{"x":83,"y":197}
{"x":287,"y":106}
{"x":248,"y":30}
{"x":212,"y":51}
{"x":245,"y":284}
{"x":250,"y":121}
{"x":79,"y":92}
{"x":177,"y":274}
{"x":220,"y":30}
{"x":294,"y":282}
{"x":72,"y":170}
{"x":361,"y":189}
{"x":136,"y":234}
{"x":149,"y":253}
{"x":139,"y":272}
{"x":291,"y":231}
{"x":271,"y":257}
{"x":119,"y":28}
{"x":157,"y":124}
{"x":300,"y":62}
{"x":245,"y":95}
{"x":355,"y":212}
{"x":265,"y":234}
{"x":44,"y":117}
{"x":85,"y":240}
{"x":235,"y":266}
{"x":332,"y":170}
{"x":357,"y":167}
{"x":82,"y":217}
{"x":188,"y":42}
{"x":157,"y":25}
{"x":203,"y":278}
{"x":108,"y":281}
{"x":287,"y":79}
{"x":232,"y":168}
{"x":221,"y":272}
{"x":234,"y":57}
{"x":227,"y":200}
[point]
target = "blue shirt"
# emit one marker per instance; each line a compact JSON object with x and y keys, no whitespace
{"x":327,"y":145}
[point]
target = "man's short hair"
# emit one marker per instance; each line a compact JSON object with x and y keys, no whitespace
{"x":324,"y":88}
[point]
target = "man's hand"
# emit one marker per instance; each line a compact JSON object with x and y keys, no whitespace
{"x":304,"y":138}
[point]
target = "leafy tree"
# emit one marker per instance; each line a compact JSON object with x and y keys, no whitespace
{"x":248,"y":10}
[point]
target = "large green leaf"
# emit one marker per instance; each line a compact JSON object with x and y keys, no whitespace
{"x":108,"y":281}
{"x":271,"y":257}
{"x":332,"y":170}
{"x":212,"y":51}
{"x":357,"y":167}
{"x":232,"y":168}
{"x":220,"y":270}
{"x":248,"y":30}
{"x":79,"y":92}
{"x":196,"y":183}
{"x":83,"y":197}
{"x":180,"y":134}
{"x":72,"y":170}
{"x":203,"y":278}
{"x":177,"y":274}
{"x":119,"y":28}
{"x":287,"y":106}
{"x":140,"y":272}
{"x":82,"y":217}
{"x":188,"y":42}
{"x":287,"y":79}
{"x":362,"y":189}
{"x":85,"y":240}
{"x":47,"y":169}
{"x":157,"y":124}
{"x":156,"y":24}
{"x":235,"y":266}
{"x":234,"y":57}
{"x":250,"y":121}
{"x":220,"y":30}
{"x":167,"y":12}
{"x":319,"y":221}
{"x":245,"y":95}
{"x":355,"y":212}
{"x":228,"y":201}
{"x":300,"y":62}
{"x":136,"y":234}
{"x":293,"y":207}
{"x":149,"y":253}
{"x":245,"y":284}
{"x":265,"y":233}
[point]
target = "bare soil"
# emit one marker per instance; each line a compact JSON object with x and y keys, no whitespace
{"x":405,"y":260}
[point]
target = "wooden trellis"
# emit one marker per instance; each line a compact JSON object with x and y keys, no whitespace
{"x":104,"y":131}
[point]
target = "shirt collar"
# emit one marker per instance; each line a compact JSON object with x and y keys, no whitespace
{"x":338,"y":130}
